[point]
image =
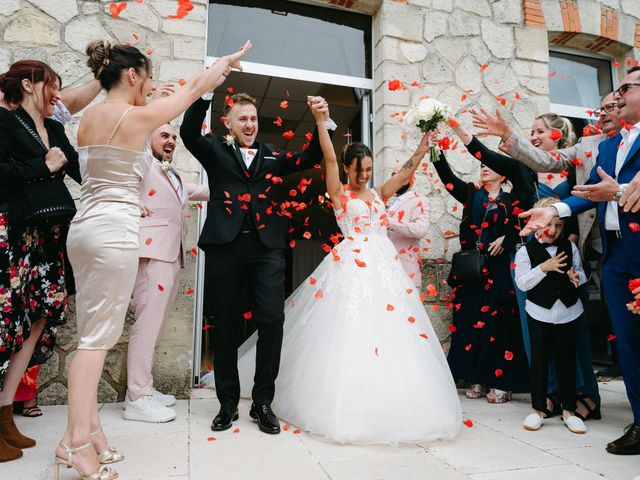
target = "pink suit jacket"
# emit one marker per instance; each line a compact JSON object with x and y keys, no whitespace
{"x":408,"y":224}
{"x":163,"y":234}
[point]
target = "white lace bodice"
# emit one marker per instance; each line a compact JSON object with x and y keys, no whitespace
{"x":359,"y":217}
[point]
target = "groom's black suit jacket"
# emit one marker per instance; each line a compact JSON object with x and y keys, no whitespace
{"x":237,"y":192}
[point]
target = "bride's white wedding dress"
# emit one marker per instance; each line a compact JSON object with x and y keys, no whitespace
{"x":361,"y":362}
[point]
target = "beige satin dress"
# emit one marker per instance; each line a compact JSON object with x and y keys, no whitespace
{"x":103,"y":240}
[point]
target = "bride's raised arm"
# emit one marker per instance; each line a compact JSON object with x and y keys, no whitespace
{"x":332,"y":175}
{"x":391,"y":186}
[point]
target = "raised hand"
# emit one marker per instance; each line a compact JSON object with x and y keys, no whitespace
{"x":491,"y":125}
{"x":603,"y":191}
{"x":539,"y":218}
{"x":163,"y":90}
{"x":234,"y":59}
{"x":555,"y":263}
{"x":319,"y":108}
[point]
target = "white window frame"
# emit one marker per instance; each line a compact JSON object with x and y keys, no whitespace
{"x":571,"y":110}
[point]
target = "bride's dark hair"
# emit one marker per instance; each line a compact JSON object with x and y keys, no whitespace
{"x":355,"y":151}
{"x":107,"y":61}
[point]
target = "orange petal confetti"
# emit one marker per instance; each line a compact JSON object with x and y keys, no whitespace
{"x":149,"y":52}
{"x":484,"y":308}
{"x":375,"y":351}
{"x":395,"y":85}
{"x":284,"y":104}
{"x":498,"y":372}
{"x":468,"y":423}
{"x":319,"y":294}
{"x":553,"y":73}
{"x":390,"y":308}
{"x":307,"y":235}
{"x":194,"y":252}
{"x":151,"y":193}
{"x":467,"y":347}
{"x":288,"y":134}
{"x":247,"y":315}
{"x":161,"y":288}
{"x":611,"y":337}
{"x":278,"y":122}
{"x":184,"y":7}
{"x":181,"y":82}
{"x":189,"y":292}
{"x":312,"y":281}
{"x":411,"y":319}
{"x":135,"y":37}
{"x":117,"y":8}
{"x":211,"y":439}
{"x":452,"y":328}
{"x":148,"y":241}
{"x":425,"y":336}
{"x":555,"y":135}
{"x":292,"y":244}
{"x":431,"y":290}
{"x":508,"y":355}
{"x":236,"y":430}
{"x":360,"y":263}
{"x":286,"y":427}
{"x":484,"y":67}
{"x":296,"y":432}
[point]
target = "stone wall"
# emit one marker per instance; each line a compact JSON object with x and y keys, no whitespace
{"x":57,"y":32}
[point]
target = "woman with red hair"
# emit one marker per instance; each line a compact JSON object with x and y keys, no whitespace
{"x":35,"y":210}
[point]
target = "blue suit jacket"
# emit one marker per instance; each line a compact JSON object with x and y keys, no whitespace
{"x":607,"y":151}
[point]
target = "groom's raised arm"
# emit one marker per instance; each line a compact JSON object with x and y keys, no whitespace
{"x":309,"y":158}
{"x":200,"y":146}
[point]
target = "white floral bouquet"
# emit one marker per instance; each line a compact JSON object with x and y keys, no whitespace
{"x":427,"y":114}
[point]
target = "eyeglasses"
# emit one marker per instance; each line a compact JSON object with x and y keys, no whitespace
{"x":608,"y":108}
{"x":624,"y":88}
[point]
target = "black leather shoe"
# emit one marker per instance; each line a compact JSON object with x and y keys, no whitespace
{"x":627,"y":444}
{"x":224,"y":419}
{"x":267,"y":420}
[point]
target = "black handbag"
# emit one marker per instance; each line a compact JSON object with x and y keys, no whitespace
{"x":46,"y":202}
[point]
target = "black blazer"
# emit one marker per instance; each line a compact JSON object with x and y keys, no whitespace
{"x":22,"y":158}
{"x":237,"y":192}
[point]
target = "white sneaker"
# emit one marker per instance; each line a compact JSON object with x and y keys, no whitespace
{"x":574,"y":424}
{"x":147,"y":409}
{"x":164,"y":398}
{"x":533,"y":422}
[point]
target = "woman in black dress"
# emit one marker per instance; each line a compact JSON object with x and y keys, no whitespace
{"x":486,"y":350}
{"x":34,"y":155}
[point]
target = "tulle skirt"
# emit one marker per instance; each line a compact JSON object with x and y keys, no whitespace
{"x":360,"y":361}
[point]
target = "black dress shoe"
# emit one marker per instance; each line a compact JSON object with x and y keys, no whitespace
{"x":627,"y":444}
{"x":224,"y":419}
{"x":267,"y":420}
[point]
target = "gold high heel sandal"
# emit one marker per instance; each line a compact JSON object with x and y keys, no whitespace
{"x":103,"y":473}
{"x":110,"y":455}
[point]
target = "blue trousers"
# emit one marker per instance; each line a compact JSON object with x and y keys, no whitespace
{"x":617,"y":270}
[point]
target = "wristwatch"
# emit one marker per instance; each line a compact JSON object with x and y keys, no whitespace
{"x":620,"y":192}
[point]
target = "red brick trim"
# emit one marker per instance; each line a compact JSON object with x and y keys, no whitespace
{"x":343,"y":3}
{"x":608,"y":23}
{"x":533,"y":16}
{"x":570,"y":16}
{"x":637,"y":41}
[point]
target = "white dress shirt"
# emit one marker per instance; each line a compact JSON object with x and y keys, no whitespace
{"x":175,"y":182}
{"x":527,"y":278}
{"x":248,"y":154}
{"x":611,"y":218}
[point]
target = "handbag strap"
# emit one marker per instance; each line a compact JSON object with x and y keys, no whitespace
{"x":30,"y":130}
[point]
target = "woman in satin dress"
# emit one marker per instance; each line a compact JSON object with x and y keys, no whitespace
{"x":103,"y":238}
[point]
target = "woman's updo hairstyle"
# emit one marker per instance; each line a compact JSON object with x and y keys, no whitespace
{"x":107,"y":61}
{"x":33,"y":70}
{"x":355,"y":151}
{"x":556,"y":122}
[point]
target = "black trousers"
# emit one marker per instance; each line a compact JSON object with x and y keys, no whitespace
{"x":246,"y":261}
{"x":553,"y":341}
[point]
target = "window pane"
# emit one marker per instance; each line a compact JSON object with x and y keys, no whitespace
{"x":579,"y":81}
{"x":284,"y":34}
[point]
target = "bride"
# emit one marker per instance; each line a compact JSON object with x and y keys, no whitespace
{"x":361,"y":362}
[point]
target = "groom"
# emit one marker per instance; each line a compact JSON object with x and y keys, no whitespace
{"x":244,"y":240}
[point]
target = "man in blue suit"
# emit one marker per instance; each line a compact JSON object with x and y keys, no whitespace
{"x":618,"y":161}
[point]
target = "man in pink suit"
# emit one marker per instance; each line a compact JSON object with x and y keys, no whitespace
{"x":408,"y":214}
{"x":162,"y":254}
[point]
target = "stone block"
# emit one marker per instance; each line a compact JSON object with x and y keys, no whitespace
{"x":451,"y":96}
{"x":401,"y":21}
{"x":81,"y":31}
{"x":540,"y":70}
{"x":158,"y":43}
{"x":421,"y":3}
{"x":615,"y":4}
{"x":7,"y":7}
{"x":61,"y":10}
{"x":91,"y":8}
{"x":627,"y":29}
{"x":437,"y":207}
{"x":444,"y":5}
{"x":70,"y":66}
{"x":631,"y":7}
{"x":54,"y":394}
{"x":436,"y":242}
{"x":463,"y":24}
{"x":189,"y":28}
{"x":32,"y":30}
{"x":107,"y":393}
{"x":453,"y":49}
{"x":436,"y":68}
{"x":49,"y":370}
{"x":589,"y":16}
{"x":524,"y":112}
{"x":479,"y":7}
{"x":172,"y":70}
{"x":387,"y":49}
{"x":139,"y":14}
{"x":413,"y":52}
{"x":507,"y":11}
{"x":164,"y":8}
{"x":522,"y":68}
{"x":5,"y":59}
{"x":189,"y":48}
{"x":537,"y":85}
{"x":552,"y":15}
{"x":468,"y":76}
{"x":116,"y":364}
{"x":499,"y":39}
{"x":479,"y":50}
{"x":500,"y":78}
{"x":435,"y":25}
